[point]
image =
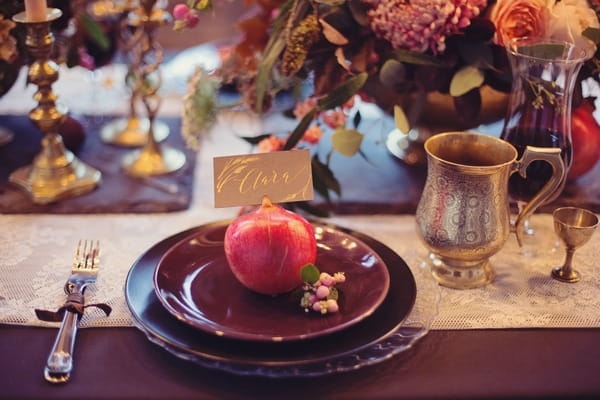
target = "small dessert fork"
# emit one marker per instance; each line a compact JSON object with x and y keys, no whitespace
{"x":84,"y":272}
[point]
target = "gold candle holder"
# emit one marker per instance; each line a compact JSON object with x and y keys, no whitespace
{"x":154,"y":158}
{"x":55,"y":173}
{"x":130,"y":131}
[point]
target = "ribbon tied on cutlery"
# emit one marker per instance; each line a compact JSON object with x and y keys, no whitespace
{"x":75,"y":303}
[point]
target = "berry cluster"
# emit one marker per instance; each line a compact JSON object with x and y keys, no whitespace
{"x":185,"y":17}
{"x":321,"y":295}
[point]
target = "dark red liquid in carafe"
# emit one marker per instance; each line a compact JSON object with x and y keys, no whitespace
{"x":538,"y":172}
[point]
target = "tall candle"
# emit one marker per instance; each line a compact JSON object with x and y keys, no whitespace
{"x":35,"y":10}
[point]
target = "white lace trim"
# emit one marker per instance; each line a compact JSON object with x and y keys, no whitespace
{"x":36,"y":251}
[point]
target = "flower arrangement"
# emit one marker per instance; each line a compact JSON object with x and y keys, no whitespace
{"x":385,"y":51}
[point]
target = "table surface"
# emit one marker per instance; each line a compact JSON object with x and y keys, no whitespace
{"x":119,"y":363}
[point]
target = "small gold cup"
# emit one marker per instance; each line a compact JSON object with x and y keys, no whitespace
{"x":574,"y":227}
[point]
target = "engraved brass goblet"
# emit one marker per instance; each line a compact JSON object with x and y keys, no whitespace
{"x":574,"y":227}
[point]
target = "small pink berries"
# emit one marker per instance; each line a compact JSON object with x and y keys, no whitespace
{"x":320,"y":293}
{"x":192,"y":20}
{"x":185,"y":17}
{"x":332,"y":306}
{"x":180,"y":11}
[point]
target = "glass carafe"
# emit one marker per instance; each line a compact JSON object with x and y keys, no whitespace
{"x":539,"y":114}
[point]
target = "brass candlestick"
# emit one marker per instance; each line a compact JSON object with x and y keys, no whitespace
{"x":153,"y":159}
{"x":55,"y":173}
{"x":130,"y":131}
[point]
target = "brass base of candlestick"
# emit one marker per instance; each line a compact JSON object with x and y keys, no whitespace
{"x":55,"y":174}
{"x":150,"y":161}
{"x":132,"y":132}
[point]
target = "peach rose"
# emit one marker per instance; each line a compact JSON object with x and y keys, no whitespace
{"x":270,"y":144}
{"x":313,"y":134}
{"x":569,"y":19}
{"x":518,"y":18}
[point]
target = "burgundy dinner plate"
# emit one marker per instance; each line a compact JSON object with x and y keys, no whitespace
{"x":265,"y":358}
{"x":193,"y":281}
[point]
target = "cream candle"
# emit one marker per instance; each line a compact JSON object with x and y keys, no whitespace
{"x":35,"y":10}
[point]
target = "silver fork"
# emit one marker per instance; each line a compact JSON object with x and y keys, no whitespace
{"x":84,"y":272}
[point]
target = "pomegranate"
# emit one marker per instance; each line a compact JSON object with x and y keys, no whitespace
{"x":585,"y":133}
{"x":267,"y":248}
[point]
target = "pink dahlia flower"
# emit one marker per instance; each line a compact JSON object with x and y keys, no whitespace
{"x":421,"y":25}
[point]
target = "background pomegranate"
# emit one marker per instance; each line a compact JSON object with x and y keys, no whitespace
{"x":585,"y":133}
{"x":267,"y":248}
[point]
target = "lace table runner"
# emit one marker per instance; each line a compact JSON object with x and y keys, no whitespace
{"x":36,"y":251}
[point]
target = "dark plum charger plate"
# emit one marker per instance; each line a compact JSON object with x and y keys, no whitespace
{"x":263,"y":358}
{"x":193,"y":282}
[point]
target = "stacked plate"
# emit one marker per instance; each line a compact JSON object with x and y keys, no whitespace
{"x":183,"y":296}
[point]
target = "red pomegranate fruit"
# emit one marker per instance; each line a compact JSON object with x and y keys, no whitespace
{"x":586,"y":140}
{"x":267,"y":248}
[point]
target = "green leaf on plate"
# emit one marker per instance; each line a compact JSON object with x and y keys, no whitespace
{"x":310,"y":273}
{"x":400,"y":119}
{"x":346,"y":141}
{"x":466,"y":79}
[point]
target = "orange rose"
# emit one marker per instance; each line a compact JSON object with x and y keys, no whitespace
{"x":519,"y":18}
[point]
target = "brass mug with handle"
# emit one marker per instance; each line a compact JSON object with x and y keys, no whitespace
{"x":463,"y":215}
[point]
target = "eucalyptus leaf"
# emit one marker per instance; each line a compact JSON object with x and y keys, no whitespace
{"x":331,"y":3}
{"x":256,"y":139}
{"x":310,"y":273}
{"x":466,"y":79}
{"x":593,"y":34}
{"x":94,"y":29}
{"x":298,"y":132}
{"x":264,"y":70}
{"x":343,"y":93}
{"x":478,"y":54}
{"x":341,"y":58}
{"x":400,"y":119}
{"x":318,"y":212}
{"x":359,"y":12}
{"x":322,"y":173}
{"x":346,"y":141}
{"x":412,"y":57}
{"x":357,"y":119}
{"x":331,"y":34}
{"x":392,"y":73}
{"x":547,"y":51}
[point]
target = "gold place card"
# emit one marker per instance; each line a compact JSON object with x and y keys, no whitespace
{"x":243,"y":180}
